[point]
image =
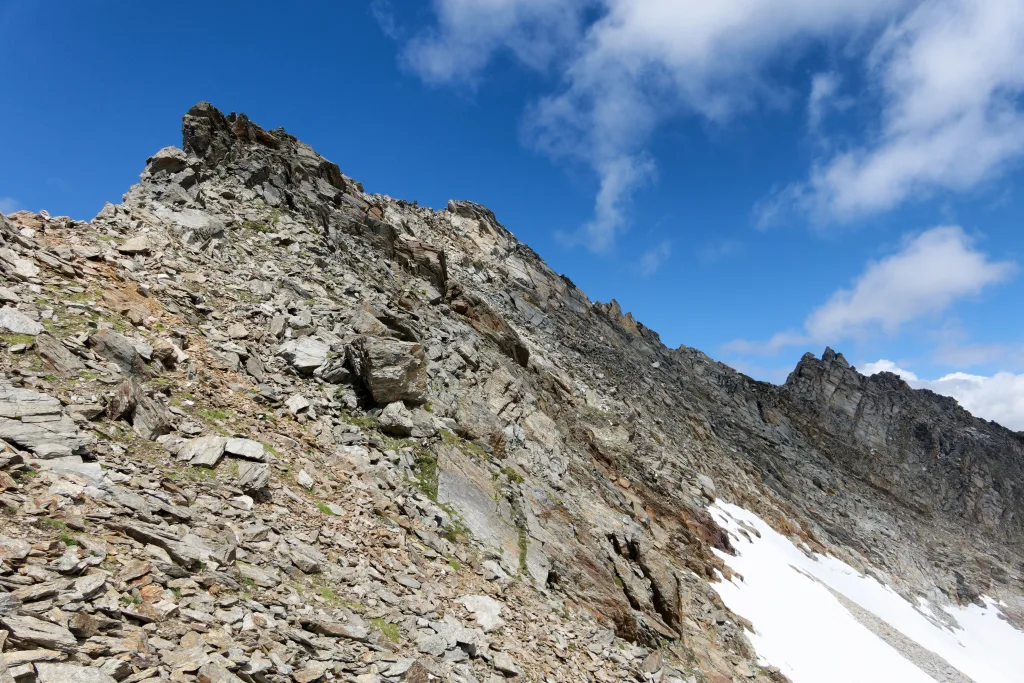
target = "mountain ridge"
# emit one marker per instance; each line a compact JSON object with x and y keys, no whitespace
{"x":432,"y":379}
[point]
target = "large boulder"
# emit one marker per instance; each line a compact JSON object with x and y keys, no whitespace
{"x":392,"y":370}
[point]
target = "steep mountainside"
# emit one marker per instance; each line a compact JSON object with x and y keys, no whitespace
{"x":260,"y":425}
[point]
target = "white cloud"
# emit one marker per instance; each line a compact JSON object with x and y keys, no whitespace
{"x":634,"y":65}
{"x":941,"y":77}
{"x":999,"y":397}
{"x":824,"y":87}
{"x":654,"y":258}
{"x":932,"y":271}
{"x":469,"y":33}
{"x":8,"y":205}
{"x":951,"y":117}
{"x":886,"y":366}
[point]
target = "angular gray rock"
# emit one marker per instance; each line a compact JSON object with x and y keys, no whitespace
{"x":116,"y":348}
{"x":203,"y":451}
{"x":15,"y":322}
{"x":136,"y":245}
{"x":37,"y":422}
{"x":395,"y":419}
{"x":392,"y":370}
{"x":56,"y":357}
{"x":246,"y":448}
{"x":305,"y":354}
{"x":151,"y":418}
{"x":38,"y":632}
{"x":253,"y":476}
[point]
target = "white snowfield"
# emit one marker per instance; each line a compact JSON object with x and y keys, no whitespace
{"x":804,"y":630}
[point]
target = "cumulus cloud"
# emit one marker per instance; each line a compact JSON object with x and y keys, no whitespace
{"x":470,"y":33}
{"x":999,"y":397}
{"x":950,"y":116}
{"x":8,"y":205}
{"x":886,"y":366}
{"x":928,"y":275}
{"x":941,"y":81}
{"x":628,"y":65}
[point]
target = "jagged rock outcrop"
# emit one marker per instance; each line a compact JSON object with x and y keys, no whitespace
{"x":273,"y":428}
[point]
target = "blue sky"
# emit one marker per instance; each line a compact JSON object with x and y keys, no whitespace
{"x":752,"y":179}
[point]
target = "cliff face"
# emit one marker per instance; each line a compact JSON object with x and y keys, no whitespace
{"x":342,"y":433}
{"x":922,"y":449}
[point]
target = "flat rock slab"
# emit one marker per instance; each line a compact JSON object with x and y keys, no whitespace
{"x":37,"y":422}
{"x":486,"y":609}
{"x":305,"y":354}
{"x":69,"y":673}
{"x":136,"y":245}
{"x":39,"y":632}
{"x":15,"y":322}
{"x":246,"y":448}
{"x":203,"y":451}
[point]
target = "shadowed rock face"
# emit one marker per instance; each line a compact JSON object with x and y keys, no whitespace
{"x":453,"y":423}
{"x":922,"y":449}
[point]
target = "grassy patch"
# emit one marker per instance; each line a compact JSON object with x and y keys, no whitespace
{"x":455,"y":531}
{"x":362,"y":421}
{"x":331,"y":596}
{"x":322,"y":507}
{"x":13,"y":339}
{"x":425,"y":468}
{"x":68,"y":539}
{"x":214,"y":414}
{"x":524,"y":543}
{"x":58,"y":524}
{"x":389,"y":631}
{"x":203,"y":472}
{"x":455,"y":564}
{"x":449,"y":438}
{"x":512,"y":475}
{"x":256,"y":226}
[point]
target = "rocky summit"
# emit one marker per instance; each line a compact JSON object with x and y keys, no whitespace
{"x":259,"y":425}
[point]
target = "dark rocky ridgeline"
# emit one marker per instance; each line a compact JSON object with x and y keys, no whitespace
{"x":260,"y":425}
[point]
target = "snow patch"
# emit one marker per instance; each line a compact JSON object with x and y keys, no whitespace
{"x":803,"y":629}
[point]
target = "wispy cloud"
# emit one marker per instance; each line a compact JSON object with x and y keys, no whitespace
{"x":933,"y":270}
{"x":654,"y":258}
{"x":951,"y":115}
{"x":716,"y":251}
{"x":824,"y":87}
{"x":384,"y":14}
{"x":8,"y":205}
{"x":627,"y":67}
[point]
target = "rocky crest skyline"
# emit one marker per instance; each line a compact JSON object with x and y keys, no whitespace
{"x":260,"y":425}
